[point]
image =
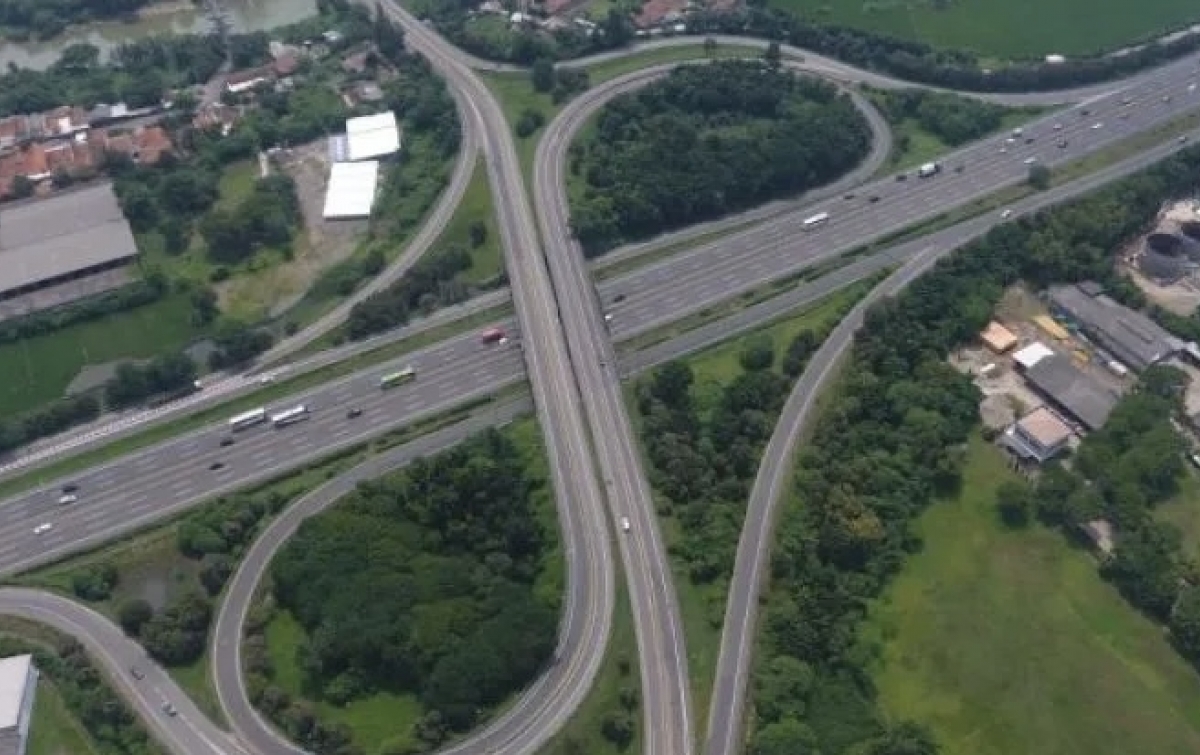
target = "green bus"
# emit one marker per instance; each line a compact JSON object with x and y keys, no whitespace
{"x":397,"y":378}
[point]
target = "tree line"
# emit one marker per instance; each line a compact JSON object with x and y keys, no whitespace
{"x":44,"y":19}
{"x":454,"y":545}
{"x":891,"y":440}
{"x":953,"y":119}
{"x":706,"y":141}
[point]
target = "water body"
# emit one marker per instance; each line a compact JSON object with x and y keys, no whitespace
{"x":174,"y":16}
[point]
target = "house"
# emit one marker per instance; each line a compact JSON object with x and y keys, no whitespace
{"x":244,"y":81}
{"x":1038,"y":436}
{"x":355,"y":63}
{"x":998,"y":338}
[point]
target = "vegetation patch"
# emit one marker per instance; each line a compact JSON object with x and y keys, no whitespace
{"x":473,"y":229}
{"x":706,"y":141}
{"x":703,"y":423}
{"x":894,"y":439}
{"x":983,"y":605}
{"x":79,"y":712}
{"x":462,"y":549}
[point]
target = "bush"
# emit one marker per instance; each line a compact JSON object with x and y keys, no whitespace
{"x":133,"y":615}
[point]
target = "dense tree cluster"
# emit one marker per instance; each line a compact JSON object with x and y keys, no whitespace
{"x":110,"y":724}
{"x":433,"y":282}
{"x":267,"y":217}
{"x":422,"y":583}
{"x":236,"y":344}
{"x":145,"y":291}
{"x":47,"y":18}
{"x":171,"y":375}
{"x":708,"y":140}
{"x":891,"y":440}
{"x":951,"y":118}
{"x":59,"y":416}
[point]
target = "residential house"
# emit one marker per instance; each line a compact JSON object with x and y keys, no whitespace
{"x":244,"y":81}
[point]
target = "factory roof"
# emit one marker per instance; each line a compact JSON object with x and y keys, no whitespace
{"x":351,"y":190}
{"x":1076,"y":392}
{"x":1032,"y":354}
{"x":14,"y":673}
{"x":66,"y":233}
{"x":998,"y":338}
{"x":1129,"y":335}
{"x":373,"y":135}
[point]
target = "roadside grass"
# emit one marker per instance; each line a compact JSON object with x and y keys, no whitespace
{"x":702,"y":606}
{"x":487,"y":264}
{"x":72,"y":464}
{"x":37,"y":370}
{"x":1009,"y":641}
{"x":1026,"y":29}
{"x":53,"y":730}
{"x":389,"y":717}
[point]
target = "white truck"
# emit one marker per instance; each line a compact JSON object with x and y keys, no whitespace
{"x":928,"y":169}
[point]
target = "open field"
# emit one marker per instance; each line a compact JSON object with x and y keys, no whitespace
{"x":1014,"y":29}
{"x":1009,"y":642}
{"x":54,"y":731}
{"x":476,"y":206}
{"x":35,"y":371}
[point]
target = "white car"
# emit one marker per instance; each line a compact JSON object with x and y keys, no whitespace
{"x":1097,"y":126}
{"x":42,"y":529}
{"x":1006,"y":215}
{"x":1030,"y":160}
{"x":1058,"y":127}
{"x":68,"y":498}
{"x":625,"y":524}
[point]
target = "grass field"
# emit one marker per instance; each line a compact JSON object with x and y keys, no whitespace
{"x":1009,"y":642}
{"x":38,"y":370}
{"x":54,"y":731}
{"x":486,"y":259}
{"x":1013,"y":29}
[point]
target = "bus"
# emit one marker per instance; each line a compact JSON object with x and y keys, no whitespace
{"x":297,"y":413}
{"x":815,"y":220}
{"x":248,"y":419}
{"x":398,"y":378}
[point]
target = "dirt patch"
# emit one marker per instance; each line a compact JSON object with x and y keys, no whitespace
{"x":1182,"y":297}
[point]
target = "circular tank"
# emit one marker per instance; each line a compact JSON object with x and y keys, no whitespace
{"x":1163,"y":258}
{"x":1189,"y":234}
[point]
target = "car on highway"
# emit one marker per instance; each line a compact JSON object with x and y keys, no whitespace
{"x":1006,"y":215}
{"x":618,"y":298}
{"x":1062,"y":143}
{"x":1183,"y":139}
{"x":70,"y":487}
{"x":136,"y":673}
{"x":873,"y":199}
{"x":1097,"y":126}
{"x":168,"y":708}
{"x":67,"y":499}
{"x":216,"y":465}
{"x":493,"y":335}
{"x":226,"y":442}
{"x":355,"y":412}
{"x":1058,"y":127}
{"x":43,"y":528}
{"x":1030,"y":160}
{"x":625,"y":526}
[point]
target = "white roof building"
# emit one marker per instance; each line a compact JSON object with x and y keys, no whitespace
{"x":1032,"y":354}
{"x":372,"y":136}
{"x":18,"y":687}
{"x":351,"y":190}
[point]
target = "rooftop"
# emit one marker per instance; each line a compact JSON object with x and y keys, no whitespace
{"x":1129,"y":335}
{"x":1044,"y":426}
{"x":351,"y":190}
{"x":372,"y":136}
{"x":14,"y":671}
{"x":1078,"y":393}
{"x":998,"y":338}
{"x":66,"y":233}
{"x":1032,"y":354}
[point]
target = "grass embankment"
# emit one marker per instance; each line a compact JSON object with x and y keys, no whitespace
{"x":1016,"y":29}
{"x":474,"y":211}
{"x":1008,"y":641}
{"x":53,"y":730}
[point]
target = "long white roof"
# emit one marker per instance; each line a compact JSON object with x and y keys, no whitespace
{"x":351,"y":190}
{"x":373,"y":136}
{"x":14,"y":672}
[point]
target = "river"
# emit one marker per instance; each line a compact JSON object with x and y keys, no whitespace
{"x":178,"y":16}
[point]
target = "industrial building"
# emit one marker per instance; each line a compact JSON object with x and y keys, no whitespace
{"x":1129,"y":337}
{"x":51,"y":243}
{"x":1038,"y":436}
{"x":351,"y":191}
{"x":372,"y":136}
{"x":1071,"y":390}
{"x":18,"y":688}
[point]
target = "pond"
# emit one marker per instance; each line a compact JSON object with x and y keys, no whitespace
{"x":177,"y":16}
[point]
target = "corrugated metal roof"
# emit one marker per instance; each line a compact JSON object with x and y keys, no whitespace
{"x":351,"y":190}
{"x":14,"y":673}
{"x":373,"y":135}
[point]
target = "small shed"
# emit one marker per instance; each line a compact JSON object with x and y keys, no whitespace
{"x":998,"y":338}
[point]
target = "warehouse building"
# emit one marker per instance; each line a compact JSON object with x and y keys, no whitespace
{"x":1129,"y":336}
{"x":59,"y":241}
{"x":18,"y":688}
{"x":1071,"y":390}
{"x":372,"y":136}
{"x":351,"y":191}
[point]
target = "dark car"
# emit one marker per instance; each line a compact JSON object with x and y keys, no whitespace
{"x":618,"y":298}
{"x":354,"y":413}
{"x":216,"y":465}
{"x":70,"y":487}
{"x":136,"y":673}
{"x":226,"y":442}
{"x":901,"y":176}
{"x":872,"y":199}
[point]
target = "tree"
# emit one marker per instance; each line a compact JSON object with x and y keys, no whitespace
{"x":759,"y":355}
{"x":785,"y":737}
{"x":478,"y":233}
{"x":1039,"y":176}
{"x":773,"y":55}
{"x":542,"y":75}
{"x":1185,"y":624}
{"x":907,"y":738}
{"x":617,"y":727}
{"x":710,"y":47}
{"x":22,"y":187}
{"x":1014,"y":502}
{"x":133,"y":615}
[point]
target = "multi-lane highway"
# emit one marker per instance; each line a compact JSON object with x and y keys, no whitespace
{"x":549,"y":365}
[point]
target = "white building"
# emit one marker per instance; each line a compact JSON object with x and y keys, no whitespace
{"x":18,"y":688}
{"x":351,"y":190}
{"x":372,"y":136}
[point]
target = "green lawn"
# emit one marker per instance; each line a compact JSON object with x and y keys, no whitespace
{"x":487,"y":262}
{"x":1183,"y":511}
{"x":35,"y":371}
{"x":1013,"y":29}
{"x":54,"y":731}
{"x":1009,"y":642}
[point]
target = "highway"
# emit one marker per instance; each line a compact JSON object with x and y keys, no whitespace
{"x":585,"y":623}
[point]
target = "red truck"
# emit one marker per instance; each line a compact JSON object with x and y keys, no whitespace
{"x":493,"y":335}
